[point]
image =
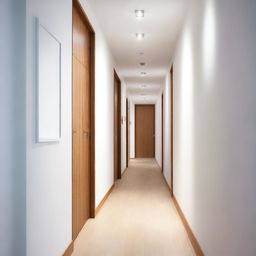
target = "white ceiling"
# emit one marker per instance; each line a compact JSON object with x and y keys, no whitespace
{"x":161,"y":25}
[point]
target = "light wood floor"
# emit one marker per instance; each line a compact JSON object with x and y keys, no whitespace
{"x":138,"y":219}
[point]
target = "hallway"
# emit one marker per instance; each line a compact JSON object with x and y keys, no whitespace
{"x":106,"y":107}
{"x":138,"y":218}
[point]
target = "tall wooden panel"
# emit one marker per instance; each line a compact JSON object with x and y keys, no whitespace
{"x":81,"y":209}
{"x":145,"y":131}
{"x":117,"y":127}
{"x":172,"y":131}
{"x":162,"y":114}
{"x":127,"y":132}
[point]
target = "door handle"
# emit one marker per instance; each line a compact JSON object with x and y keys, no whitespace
{"x":86,"y":133}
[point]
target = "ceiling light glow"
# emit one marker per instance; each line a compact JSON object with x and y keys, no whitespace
{"x":140,"y":36}
{"x":139,"y":14}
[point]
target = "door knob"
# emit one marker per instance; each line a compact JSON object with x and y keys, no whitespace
{"x":86,"y":133}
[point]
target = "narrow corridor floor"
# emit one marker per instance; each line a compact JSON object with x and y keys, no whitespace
{"x":138,"y":219}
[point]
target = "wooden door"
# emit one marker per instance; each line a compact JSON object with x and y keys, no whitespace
{"x":145,"y":131}
{"x":81,"y":122}
{"x":172,"y":141}
{"x":127,"y":133}
{"x":117,"y":127}
{"x":162,"y":112}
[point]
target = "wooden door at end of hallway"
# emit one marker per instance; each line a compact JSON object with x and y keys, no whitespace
{"x":81,"y":130}
{"x":145,"y":131}
{"x":117,"y":127}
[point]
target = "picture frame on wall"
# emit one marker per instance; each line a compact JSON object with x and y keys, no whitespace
{"x":48,"y":86}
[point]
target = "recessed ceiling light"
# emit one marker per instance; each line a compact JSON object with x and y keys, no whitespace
{"x":143,"y":73}
{"x":142,"y":63}
{"x":140,"y":35}
{"x":139,"y":14}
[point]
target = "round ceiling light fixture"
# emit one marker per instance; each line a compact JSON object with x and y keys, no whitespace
{"x":139,"y":14}
{"x":140,"y":36}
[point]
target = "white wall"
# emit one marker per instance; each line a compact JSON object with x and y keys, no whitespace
{"x":132,"y":130}
{"x":167,"y":129}
{"x":123,"y":126}
{"x":49,"y":164}
{"x":158,"y":130}
{"x":215,"y":124}
{"x":12,"y":128}
{"x":49,"y":215}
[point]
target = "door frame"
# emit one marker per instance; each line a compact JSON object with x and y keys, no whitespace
{"x":77,"y":5}
{"x":172,"y":120}
{"x":162,"y":114}
{"x":119,"y":128}
{"x":127,"y":132}
{"x":135,"y":106}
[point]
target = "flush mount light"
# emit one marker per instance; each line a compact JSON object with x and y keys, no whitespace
{"x":139,"y":14}
{"x":140,"y":35}
{"x":143,"y":73}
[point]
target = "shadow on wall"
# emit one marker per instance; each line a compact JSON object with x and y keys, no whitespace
{"x":13,"y":133}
